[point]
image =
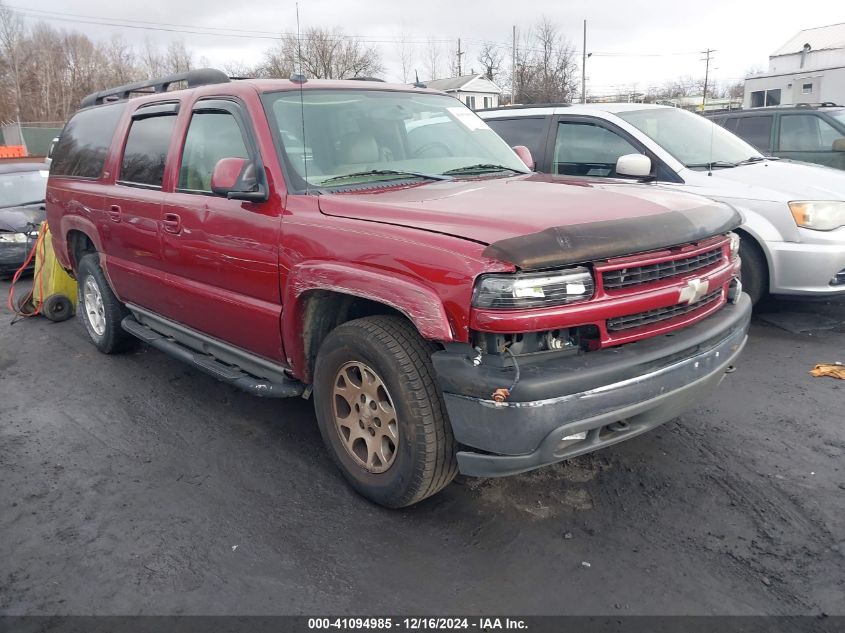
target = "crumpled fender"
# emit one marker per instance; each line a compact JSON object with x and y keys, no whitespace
{"x":420,"y":304}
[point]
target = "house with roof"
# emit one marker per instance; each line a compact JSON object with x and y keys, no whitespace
{"x":809,"y":68}
{"x":474,"y":90}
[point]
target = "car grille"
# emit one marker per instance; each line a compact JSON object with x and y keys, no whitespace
{"x":624,"y":277}
{"x":660,"y":314}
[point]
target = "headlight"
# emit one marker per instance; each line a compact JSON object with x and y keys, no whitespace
{"x":734,"y":245}
{"x":533,"y":290}
{"x":819,"y":215}
{"x":16,"y":238}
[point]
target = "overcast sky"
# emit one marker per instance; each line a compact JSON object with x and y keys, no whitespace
{"x":634,"y":42}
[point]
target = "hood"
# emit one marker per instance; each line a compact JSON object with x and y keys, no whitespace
{"x":540,"y":221}
{"x":774,"y":180}
{"x":15,"y":219}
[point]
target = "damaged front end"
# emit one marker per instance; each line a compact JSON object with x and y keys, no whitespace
{"x":604,"y":346}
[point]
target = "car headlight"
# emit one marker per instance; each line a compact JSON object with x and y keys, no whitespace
{"x":734,"y":245}
{"x":15,"y":238}
{"x":819,"y":215}
{"x":533,"y":290}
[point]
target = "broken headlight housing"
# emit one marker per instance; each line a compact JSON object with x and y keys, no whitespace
{"x":819,"y":214}
{"x":735,"y":239}
{"x":533,"y":290}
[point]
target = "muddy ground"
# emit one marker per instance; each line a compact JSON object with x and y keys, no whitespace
{"x":136,"y":485}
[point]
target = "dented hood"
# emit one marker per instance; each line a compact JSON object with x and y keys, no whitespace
{"x":537,"y":221}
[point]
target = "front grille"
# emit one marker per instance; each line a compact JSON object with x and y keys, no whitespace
{"x":659,"y":314}
{"x":624,"y":277}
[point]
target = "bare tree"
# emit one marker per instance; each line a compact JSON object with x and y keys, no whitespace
{"x":546,"y":68}
{"x":431,"y":64}
{"x":11,"y":38}
{"x":406,"y":54}
{"x":490,"y":57}
{"x":325,"y":54}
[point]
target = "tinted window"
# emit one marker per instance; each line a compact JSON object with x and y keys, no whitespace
{"x":757,"y":130}
{"x":146,"y":150}
{"x":211,"y":137}
{"x":528,"y":131}
{"x":584,"y":149}
{"x":83,"y":144}
{"x":806,"y":133}
{"x":731,"y":124}
{"x":758,"y":98}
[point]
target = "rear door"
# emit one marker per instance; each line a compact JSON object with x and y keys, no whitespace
{"x":809,"y":137}
{"x":221,"y":255}
{"x":130,"y":231}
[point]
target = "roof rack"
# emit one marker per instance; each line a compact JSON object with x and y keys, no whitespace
{"x":193,"y":78}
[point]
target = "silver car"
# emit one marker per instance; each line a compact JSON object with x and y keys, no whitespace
{"x":793,"y":238}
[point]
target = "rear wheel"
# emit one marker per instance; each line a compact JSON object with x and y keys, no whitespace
{"x":755,"y":271}
{"x":99,"y":308}
{"x":380,"y":412}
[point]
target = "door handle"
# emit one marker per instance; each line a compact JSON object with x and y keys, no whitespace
{"x":172,"y":223}
{"x":114,"y":213}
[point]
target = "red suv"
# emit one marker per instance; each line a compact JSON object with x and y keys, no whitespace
{"x":380,"y":249}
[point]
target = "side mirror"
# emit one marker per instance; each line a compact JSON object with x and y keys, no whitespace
{"x":634,"y":165}
{"x":236,"y":179}
{"x":525,"y":155}
{"x":839,"y":145}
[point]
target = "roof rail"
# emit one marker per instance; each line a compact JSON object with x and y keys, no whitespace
{"x":366,"y":79}
{"x":194,"y":78}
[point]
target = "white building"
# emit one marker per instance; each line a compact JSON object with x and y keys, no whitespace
{"x":809,"y":68}
{"x":474,"y":90}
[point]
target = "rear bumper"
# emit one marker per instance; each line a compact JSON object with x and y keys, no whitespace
{"x":593,"y":400}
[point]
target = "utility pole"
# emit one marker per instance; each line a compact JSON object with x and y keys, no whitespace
{"x":513,"y":67}
{"x":459,"y":57}
{"x":584,"y":66}
{"x":708,"y":54}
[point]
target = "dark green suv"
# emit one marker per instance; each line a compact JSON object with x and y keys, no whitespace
{"x":813,"y":134}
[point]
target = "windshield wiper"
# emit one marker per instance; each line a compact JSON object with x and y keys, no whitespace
{"x":716,"y":164}
{"x":755,"y":159}
{"x":22,"y":204}
{"x":383,"y":172}
{"x":480,"y":168}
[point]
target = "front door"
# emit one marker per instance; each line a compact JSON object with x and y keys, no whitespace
{"x":221,"y":256}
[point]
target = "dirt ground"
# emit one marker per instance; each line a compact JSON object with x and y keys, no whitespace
{"x":136,"y":485}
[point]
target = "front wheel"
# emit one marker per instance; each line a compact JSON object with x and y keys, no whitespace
{"x":380,"y":412}
{"x":100,"y":310}
{"x":754,"y":274}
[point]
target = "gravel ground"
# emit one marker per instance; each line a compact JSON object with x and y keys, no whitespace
{"x":136,"y":485}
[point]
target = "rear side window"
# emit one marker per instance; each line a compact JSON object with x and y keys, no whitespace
{"x":757,"y":130}
{"x":528,"y":131}
{"x":146,"y":151}
{"x":84,"y":142}
{"x":806,"y":133}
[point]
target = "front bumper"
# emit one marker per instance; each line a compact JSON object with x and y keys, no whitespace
{"x":807,"y":267}
{"x":594,"y":400}
{"x":13,"y":255}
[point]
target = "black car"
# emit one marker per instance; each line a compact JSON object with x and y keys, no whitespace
{"x":809,"y":133}
{"x":22,"y":190}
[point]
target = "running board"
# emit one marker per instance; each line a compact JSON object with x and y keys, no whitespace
{"x":212,"y":366}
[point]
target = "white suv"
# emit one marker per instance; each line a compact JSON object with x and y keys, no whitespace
{"x":794,"y":231}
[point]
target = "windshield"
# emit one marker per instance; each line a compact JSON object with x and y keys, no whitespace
{"x":22,"y":187}
{"x":356,"y":136}
{"x":839,"y":115}
{"x":690,"y":138}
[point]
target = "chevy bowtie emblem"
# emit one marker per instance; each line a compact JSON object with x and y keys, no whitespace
{"x":694,"y":291}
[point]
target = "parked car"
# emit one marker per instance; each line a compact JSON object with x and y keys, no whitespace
{"x":813,"y":134}
{"x":793,"y":237}
{"x":380,"y":249}
{"x":22,"y":189}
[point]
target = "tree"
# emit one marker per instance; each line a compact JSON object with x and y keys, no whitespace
{"x":406,"y":54}
{"x":11,"y":39}
{"x":490,"y":57}
{"x":324,"y":54}
{"x":431,"y":64}
{"x":546,"y":68}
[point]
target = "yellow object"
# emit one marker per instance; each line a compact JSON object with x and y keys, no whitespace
{"x":54,"y":280}
{"x":834,"y":370}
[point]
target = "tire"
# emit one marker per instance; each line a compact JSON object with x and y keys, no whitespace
{"x":57,"y":308}
{"x":422,"y":461}
{"x":106,"y":332}
{"x":755,"y":271}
